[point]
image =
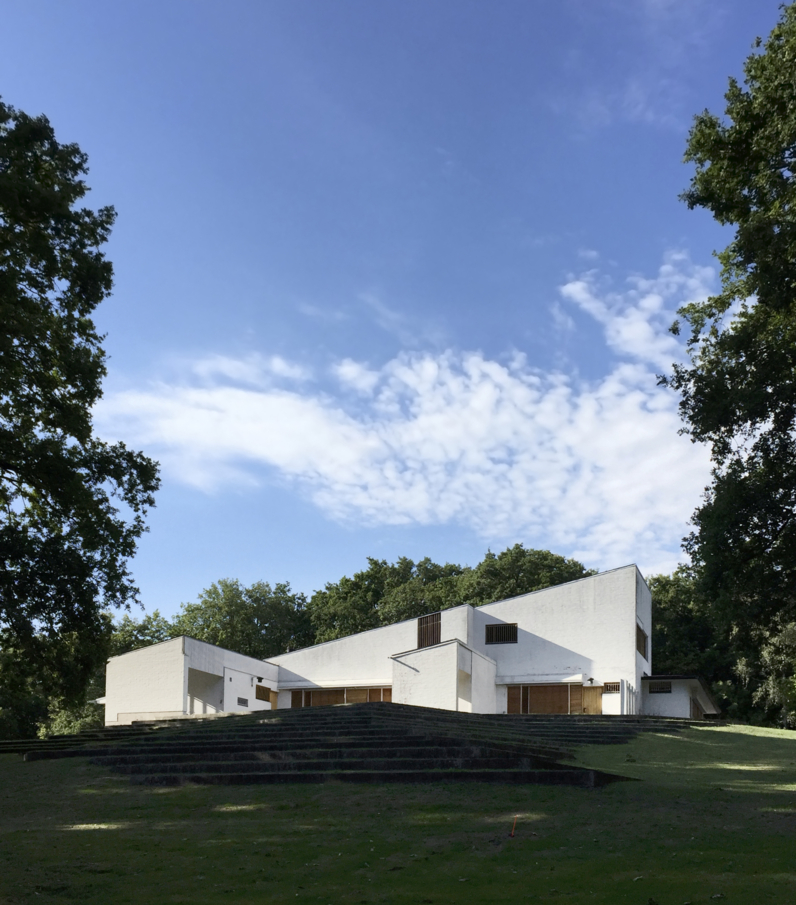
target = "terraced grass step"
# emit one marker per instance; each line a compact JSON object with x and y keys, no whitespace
{"x":588,"y":779}
{"x":373,"y":764}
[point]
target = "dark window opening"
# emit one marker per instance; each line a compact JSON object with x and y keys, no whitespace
{"x":641,"y":641}
{"x":612,"y":688}
{"x":243,"y":702}
{"x":659,"y":687}
{"x":429,"y":630}
{"x":501,"y":633}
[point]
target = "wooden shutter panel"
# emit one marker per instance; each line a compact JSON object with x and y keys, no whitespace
{"x":429,"y":630}
{"x":592,"y":699}
{"x":548,"y":699}
{"x":575,"y":698}
{"x":513,"y":699}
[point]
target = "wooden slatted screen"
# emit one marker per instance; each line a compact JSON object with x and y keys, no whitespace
{"x":500,"y":633}
{"x":356,"y":695}
{"x":429,"y":630}
{"x":296,"y":698}
{"x":386,"y":694}
{"x":697,"y":713}
{"x":261,"y":693}
{"x":374,"y":694}
{"x":514,"y":699}
{"x":575,"y":698}
{"x":641,"y":641}
{"x":274,"y":699}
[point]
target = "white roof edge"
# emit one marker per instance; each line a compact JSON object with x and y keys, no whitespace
{"x":416,"y":650}
{"x":563,"y":584}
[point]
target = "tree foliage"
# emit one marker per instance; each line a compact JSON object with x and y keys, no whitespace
{"x":259,"y":621}
{"x":738,"y":393}
{"x":71,"y":506}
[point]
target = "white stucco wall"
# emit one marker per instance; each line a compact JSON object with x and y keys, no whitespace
{"x":358,"y":660}
{"x":205,"y":692}
{"x":678,"y":702}
{"x":427,"y":677}
{"x":583,"y":628}
{"x":484,"y":689}
{"x":182,"y":676}
{"x":146,"y":683}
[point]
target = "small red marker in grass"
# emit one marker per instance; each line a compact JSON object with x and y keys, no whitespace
{"x":511,"y":834}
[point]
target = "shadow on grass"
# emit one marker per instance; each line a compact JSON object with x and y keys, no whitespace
{"x":712,"y":816}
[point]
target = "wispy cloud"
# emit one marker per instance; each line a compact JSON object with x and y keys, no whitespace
{"x":636,"y":320}
{"x":645,"y":83}
{"x":595,"y":469}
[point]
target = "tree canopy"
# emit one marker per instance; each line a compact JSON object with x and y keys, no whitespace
{"x":738,"y":392}
{"x":259,"y":621}
{"x":72,"y":507}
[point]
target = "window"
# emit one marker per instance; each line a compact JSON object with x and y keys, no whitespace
{"x":243,"y":702}
{"x":262,"y":693}
{"x":429,"y":630}
{"x":641,"y":641}
{"x":611,"y":687}
{"x":501,"y":633}
{"x":659,"y":687}
{"x":319,"y":697}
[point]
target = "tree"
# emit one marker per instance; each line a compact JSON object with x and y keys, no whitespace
{"x":71,"y":506}
{"x":517,"y":571}
{"x":131,"y":634}
{"x":259,"y":621}
{"x":738,"y":392}
{"x":351,"y":605}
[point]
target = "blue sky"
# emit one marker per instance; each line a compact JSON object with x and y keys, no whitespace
{"x":392,"y":278}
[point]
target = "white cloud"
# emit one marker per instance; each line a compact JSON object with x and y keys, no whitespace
{"x":355,"y":375}
{"x":596,"y":470}
{"x":254,"y":370}
{"x":636,"y":321}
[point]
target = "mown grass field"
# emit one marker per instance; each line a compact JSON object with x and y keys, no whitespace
{"x":712,"y":818}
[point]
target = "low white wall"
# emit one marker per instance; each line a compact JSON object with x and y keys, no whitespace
{"x":484,"y":688}
{"x":676,"y":703}
{"x":146,"y":681}
{"x":612,"y":703}
{"x":427,"y":677}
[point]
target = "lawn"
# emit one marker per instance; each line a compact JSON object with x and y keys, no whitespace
{"x":711,"y":817}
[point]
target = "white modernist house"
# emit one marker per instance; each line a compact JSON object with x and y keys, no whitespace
{"x":580,"y":647}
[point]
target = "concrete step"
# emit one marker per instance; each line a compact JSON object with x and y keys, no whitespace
{"x":588,"y":779}
{"x":371,"y":764}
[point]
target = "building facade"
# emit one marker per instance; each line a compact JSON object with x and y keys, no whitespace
{"x":580,"y":647}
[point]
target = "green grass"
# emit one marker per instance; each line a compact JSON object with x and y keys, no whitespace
{"x":713,"y":815}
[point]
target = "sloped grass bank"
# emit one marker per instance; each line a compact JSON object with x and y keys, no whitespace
{"x":713,"y":818}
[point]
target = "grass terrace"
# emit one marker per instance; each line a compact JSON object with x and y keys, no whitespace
{"x":711,"y":818}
